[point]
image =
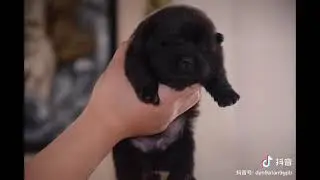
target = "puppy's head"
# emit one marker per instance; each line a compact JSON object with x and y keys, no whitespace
{"x":182,"y":46}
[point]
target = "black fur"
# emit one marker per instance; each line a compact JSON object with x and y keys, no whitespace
{"x":177,"y":46}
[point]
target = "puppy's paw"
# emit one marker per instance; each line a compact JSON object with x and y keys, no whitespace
{"x":149,"y":95}
{"x":227,"y":97}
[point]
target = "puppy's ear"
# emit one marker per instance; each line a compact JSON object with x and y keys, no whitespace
{"x":219,"y":38}
{"x":137,"y":67}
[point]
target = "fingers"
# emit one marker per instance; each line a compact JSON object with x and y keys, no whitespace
{"x":170,"y":95}
{"x":120,"y":52}
{"x":117,"y":61}
{"x":119,"y":55}
{"x":190,"y":90}
{"x":186,"y":93}
{"x":188,"y":101}
{"x":184,"y":103}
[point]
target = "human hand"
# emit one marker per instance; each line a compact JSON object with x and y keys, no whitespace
{"x":115,"y":104}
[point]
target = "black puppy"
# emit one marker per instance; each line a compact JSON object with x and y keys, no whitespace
{"x":177,"y":46}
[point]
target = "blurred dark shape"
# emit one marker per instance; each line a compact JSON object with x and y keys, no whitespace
{"x":73,"y":79}
{"x":69,"y":40}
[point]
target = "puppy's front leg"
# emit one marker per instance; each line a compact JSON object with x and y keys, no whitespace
{"x":141,"y":79}
{"x":221,"y":90}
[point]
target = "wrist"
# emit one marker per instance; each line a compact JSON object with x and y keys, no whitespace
{"x":108,"y":124}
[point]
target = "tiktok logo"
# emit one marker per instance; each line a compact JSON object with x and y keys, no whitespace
{"x":266,"y":162}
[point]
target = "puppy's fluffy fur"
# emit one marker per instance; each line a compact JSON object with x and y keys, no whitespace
{"x":177,"y":46}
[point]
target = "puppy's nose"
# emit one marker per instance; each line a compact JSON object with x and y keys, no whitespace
{"x":186,"y":64}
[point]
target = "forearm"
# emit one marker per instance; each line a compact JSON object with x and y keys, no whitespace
{"x":76,"y":152}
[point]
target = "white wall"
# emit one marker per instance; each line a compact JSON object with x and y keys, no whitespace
{"x":260,"y":61}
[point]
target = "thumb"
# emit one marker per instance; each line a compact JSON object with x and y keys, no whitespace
{"x":186,"y":102}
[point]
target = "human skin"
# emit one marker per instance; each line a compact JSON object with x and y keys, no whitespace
{"x":112,"y":114}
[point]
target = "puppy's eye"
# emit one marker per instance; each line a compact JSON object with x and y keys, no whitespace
{"x":186,"y":64}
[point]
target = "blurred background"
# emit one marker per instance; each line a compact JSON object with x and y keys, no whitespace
{"x":68,"y":43}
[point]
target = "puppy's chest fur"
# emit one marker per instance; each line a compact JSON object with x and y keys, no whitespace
{"x":161,"y":141}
